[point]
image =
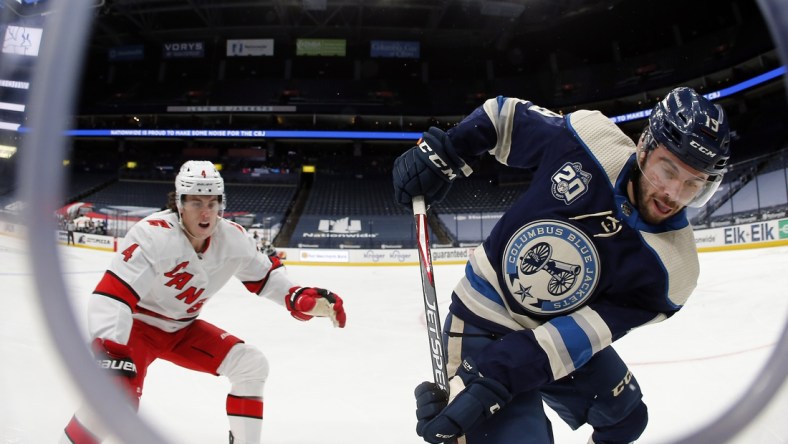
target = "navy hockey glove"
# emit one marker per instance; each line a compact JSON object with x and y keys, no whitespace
{"x":477,"y":398}
{"x":303,"y":303}
{"x":427,"y":169}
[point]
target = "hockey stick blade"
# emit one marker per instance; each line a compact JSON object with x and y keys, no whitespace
{"x":434,"y":331}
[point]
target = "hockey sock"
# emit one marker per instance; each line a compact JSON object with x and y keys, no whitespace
{"x":246,"y":418}
{"x":76,"y":433}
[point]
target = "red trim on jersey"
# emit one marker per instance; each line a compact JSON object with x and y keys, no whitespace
{"x":257,"y":286}
{"x":240,"y":228}
{"x":78,"y":434}
{"x":112,"y":286}
{"x":153,"y":314}
{"x":205,"y":247}
{"x":250,"y":407}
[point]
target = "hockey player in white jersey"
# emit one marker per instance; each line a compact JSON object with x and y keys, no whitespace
{"x":147,"y":304}
{"x":599,"y":244}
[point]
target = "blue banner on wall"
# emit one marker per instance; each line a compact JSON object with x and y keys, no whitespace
{"x":395,"y":48}
{"x":353,"y":231}
{"x":126,"y":53}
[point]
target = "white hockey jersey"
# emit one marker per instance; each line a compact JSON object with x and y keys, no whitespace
{"x":156,"y":276}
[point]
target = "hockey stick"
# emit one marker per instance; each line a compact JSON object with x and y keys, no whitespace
{"x":434,"y":331}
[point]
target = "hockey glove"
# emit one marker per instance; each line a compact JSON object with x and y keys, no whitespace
{"x":477,"y":398}
{"x":306,"y":302}
{"x":116,"y":359}
{"x":427,"y":169}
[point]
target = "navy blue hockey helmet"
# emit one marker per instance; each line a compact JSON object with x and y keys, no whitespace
{"x":694,"y":130}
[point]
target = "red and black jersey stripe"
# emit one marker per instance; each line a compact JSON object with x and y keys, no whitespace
{"x":112,"y":286}
{"x":257,"y":286}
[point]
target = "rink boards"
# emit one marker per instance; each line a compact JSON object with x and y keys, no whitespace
{"x":759,"y":234}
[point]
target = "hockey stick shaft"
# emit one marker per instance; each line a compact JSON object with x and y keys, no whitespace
{"x":434,"y":331}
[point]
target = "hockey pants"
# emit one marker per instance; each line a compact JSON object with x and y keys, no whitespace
{"x":602,"y":393}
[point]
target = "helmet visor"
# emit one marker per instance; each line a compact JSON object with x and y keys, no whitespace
{"x":674,"y":179}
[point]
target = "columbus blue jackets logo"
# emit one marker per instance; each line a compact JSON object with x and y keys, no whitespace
{"x":570,"y":182}
{"x":550,"y":267}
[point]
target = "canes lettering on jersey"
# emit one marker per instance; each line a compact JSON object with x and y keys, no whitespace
{"x":179,"y":279}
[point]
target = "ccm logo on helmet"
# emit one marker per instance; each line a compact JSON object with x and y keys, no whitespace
{"x":701,"y":148}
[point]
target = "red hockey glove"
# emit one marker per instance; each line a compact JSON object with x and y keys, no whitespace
{"x":116,"y":358}
{"x":307,"y":302}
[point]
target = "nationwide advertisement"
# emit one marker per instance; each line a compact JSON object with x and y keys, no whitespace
{"x":250,"y":47}
{"x":126,"y":53}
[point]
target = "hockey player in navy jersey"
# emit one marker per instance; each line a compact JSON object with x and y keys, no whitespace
{"x":598,"y":245}
{"x":147,"y":304}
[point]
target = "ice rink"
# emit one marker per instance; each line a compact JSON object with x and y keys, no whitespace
{"x":355,"y":385}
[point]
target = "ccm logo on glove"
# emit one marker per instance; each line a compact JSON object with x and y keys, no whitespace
{"x":436,"y":160}
{"x":303,"y":303}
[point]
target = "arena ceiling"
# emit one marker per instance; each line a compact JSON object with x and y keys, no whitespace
{"x":439,"y":22}
{"x":522,"y":31}
{"x":585,"y":27}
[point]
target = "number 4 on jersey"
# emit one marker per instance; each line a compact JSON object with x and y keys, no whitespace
{"x":128,"y":252}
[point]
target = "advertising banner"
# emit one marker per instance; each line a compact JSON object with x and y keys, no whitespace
{"x":321,"y":47}
{"x":338,"y":256}
{"x":22,"y":40}
{"x":757,"y":234}
{"x":126,"y":53}
{"x":250,"y":47}
{"x":183,"y":50}
{"x":406,"y":256}
{"x":395,"y":49}
{"x":95,"y":241}
{"x":362,"y":232}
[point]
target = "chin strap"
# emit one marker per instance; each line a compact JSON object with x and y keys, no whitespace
{"x":634,"y":177}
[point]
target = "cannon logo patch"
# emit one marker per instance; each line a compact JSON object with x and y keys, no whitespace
{"x":550,"y":267}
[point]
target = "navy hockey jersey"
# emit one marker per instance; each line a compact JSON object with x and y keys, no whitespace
{"x":570,"y":267}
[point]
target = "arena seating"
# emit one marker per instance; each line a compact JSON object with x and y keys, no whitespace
{"x":766,"y":192}
{"x":474,"y":205}
{"x":348,"y":212}
{"x":81,"y":183}
{"x":264,"y":201}
{"x":352,"y":196}
{"x":132,"y":193}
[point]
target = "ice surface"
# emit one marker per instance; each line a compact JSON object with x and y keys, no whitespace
{"x":355,"y":385}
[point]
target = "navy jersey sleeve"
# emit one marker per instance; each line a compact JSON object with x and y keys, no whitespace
{"x":515,"y":131}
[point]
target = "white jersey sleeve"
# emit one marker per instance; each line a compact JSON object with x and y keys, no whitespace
{"x":274,"y":283}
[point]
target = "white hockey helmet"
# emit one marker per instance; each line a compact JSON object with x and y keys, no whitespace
{"x":201,"y":178}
